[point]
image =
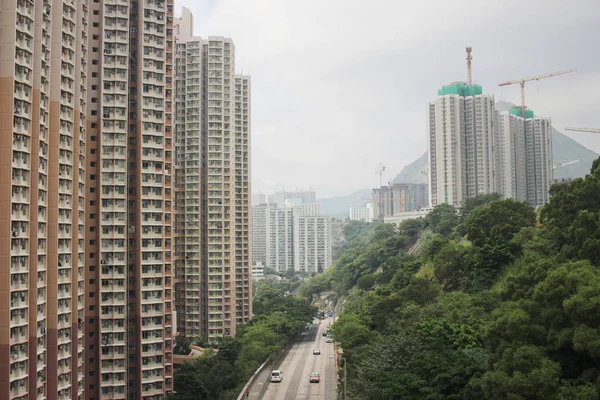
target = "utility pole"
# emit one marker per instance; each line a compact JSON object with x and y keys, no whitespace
{"x":344,"y":394}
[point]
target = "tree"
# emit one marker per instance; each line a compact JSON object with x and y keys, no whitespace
{"x":182,"y":345}
{"x":189,"y":384}
{"x":572,"y":215}
{"x":442,"y":219}
{"x":500,"y":219}
{"x":449,"y":265}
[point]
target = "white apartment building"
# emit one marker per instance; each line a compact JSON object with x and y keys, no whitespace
{"x":272,"y":236}
{"x":293,"y":237}
{"x":212,"y":130}
{"x":312,"y":243}
{"x":525,"y":169}
{"x":360,"y":214}
{"x":460,"y":128}
{"x":308,"y":196}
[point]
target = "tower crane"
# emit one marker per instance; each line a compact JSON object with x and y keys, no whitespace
{"x":590,"y":130}
{"x":532,"y":78}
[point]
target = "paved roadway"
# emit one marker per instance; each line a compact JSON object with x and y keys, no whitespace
{"x":300,"y":363}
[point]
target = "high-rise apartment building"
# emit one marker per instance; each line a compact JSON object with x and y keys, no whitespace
{"x":212,"y":131}
{"x":360,"y":214}
{"x":525,"y":156}
{"x":273,"y":236}
{"x":129,"y":201}
{"x":312,"y":243}
{"x":292,"y":237}
{"x":308,"y":196}
{"x":461,"y":138}
{"x":42,"y":134}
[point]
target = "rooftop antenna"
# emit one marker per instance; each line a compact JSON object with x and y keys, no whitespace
{"x":469,"y":59}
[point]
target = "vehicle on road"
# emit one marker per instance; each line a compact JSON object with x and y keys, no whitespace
{"x":315,"y":377}
{"x":325,"y":332}
{"x":276,"y":375}
{"x":317,"y":352}
{"x":329,"y":340}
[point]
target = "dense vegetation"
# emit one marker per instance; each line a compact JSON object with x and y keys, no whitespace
{"x":279,"y":316}
{"x":501,"y":303}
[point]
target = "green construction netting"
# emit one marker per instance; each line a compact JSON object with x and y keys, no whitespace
{"x":517,"y":112}
{"x":461,"y":89}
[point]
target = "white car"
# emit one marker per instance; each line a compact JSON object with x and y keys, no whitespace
{"x":317,"y":352}
{"x":329,"y":340}
{"x":276,"y":375}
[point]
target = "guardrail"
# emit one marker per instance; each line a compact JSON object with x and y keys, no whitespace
{"x":253,"y":379}
{"x":272,"y":362}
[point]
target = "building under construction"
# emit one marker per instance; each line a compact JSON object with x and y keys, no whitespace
{"x":475,"y":150}
{"x":399,"y":198}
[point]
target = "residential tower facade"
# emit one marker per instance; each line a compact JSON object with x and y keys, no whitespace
{"x":461,"y":138}
{"x":42,"y":132}
{"x":212,"y":131}
{"x":129,"y":202}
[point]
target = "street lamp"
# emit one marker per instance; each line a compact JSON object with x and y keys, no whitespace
{"x":344,"y":358}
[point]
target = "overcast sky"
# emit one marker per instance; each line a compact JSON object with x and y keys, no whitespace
{"x":339,"y":86}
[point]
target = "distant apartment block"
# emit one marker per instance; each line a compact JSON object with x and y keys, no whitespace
{"x":312,"y":243}
{"x":212,"y":134}
{"x":308,"y":196}
{"x":360,"y":214}
{"x":259,"y":199}
{"x":290,"y":237}
{"x":525,"y":156}
{"x":399,"y":198}
{"x":460,"y":125}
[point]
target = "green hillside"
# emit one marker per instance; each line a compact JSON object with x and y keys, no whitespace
{"x":496,"y":303}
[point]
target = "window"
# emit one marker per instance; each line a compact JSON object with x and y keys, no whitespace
{"x":94,"y":62}
{"x":92,"y":243}
{"x":96,"y":12}
{"x":92,"y":203}
{"x":92,"y":268}
{"x":92,"y":281}
{"x":95,"y":37}
{"x":93,"y":151}
{"x":95,"y":25}
{"x":94,"y":74}
{"x":94,"y":99}
{"x":93,"y":177}
{"x":92,"y":308}
{"x":93,"y":164}
{"x":92,"y":255}
{"x":94,"y":49}
{"x":94,"y":112}
{"x":94,"y":87}
{"x":92,"y":294}
{"x":93,"y":125}
{"x":92,"y":190}
{"x":92,"y":216}
{"x":93,"y":138}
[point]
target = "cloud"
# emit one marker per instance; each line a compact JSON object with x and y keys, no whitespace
{"x":339,"y":86}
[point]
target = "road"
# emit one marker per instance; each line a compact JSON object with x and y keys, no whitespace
{"x":300,"y":363}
